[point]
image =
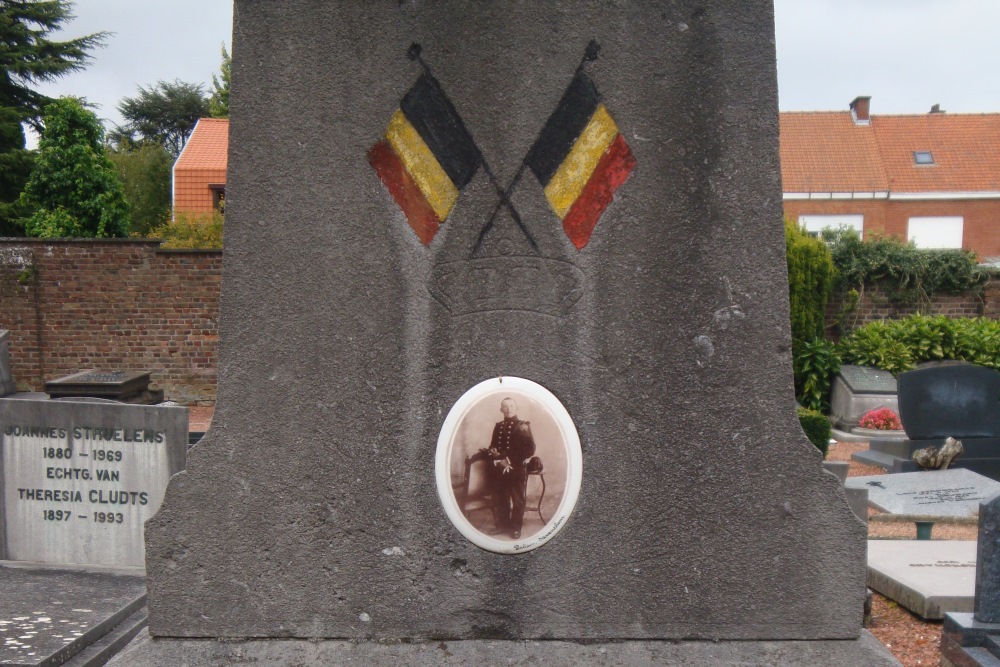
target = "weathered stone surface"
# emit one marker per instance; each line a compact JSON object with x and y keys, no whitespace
{"x":48,"y":614}
{"x":928,"y":577}
{"x":958,"y":401}
{"x":988,"y":574}
{"x":310,"y":509}
{"x":154,"y":652}
{"x":928,"y":493}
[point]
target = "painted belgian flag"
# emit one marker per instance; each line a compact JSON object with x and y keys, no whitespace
{"x":581,"y":159}
{"x":426,"y":157}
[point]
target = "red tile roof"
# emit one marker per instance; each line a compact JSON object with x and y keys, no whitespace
{"x":828,"y":152}
{"x":207,"y":147}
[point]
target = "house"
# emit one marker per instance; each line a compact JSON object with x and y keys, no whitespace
{"x":933,"y":178}
{"x":199,"y":174}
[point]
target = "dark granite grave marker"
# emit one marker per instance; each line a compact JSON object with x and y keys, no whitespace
{"x":124,"y":386}
{"x":583,"y":195}
{"x":988,"y":574}
{"x":959,"y":401}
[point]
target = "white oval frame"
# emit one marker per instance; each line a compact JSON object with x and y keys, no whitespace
{"x":574,"y":462}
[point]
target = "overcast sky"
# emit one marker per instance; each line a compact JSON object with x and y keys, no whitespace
{"x":905,"y":54}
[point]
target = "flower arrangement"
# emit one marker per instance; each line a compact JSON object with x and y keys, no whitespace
{"x":881,"y":419}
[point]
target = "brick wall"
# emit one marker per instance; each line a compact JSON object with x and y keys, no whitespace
{"x":112,"y":305}
{"x":874,"y":305}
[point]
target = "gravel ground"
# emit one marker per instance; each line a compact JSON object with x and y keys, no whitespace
{"x":910,"y":638}
{"x":914,"y":641}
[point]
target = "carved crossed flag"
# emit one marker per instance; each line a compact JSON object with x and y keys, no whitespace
{"x":428,"y":156}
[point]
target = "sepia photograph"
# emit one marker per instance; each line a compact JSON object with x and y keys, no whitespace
{"x":508,"y":465}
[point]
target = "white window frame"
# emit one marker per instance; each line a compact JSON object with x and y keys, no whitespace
{"x":936,"y":232}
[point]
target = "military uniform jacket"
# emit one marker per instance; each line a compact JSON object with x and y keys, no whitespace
{"x":512,"y":439}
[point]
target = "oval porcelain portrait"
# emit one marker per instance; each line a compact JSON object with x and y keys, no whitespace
{"x":508,"y":465}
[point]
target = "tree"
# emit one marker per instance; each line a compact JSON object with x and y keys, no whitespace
{"x":75,"y":189}
{"x":163,"y":114}
{"x":218,"y":104}
{"x":28,"y":57}
{"x":145,"y":176}
{"x":811,"y":277}
{"x":15,"y":168}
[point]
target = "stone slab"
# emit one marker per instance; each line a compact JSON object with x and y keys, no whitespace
{"x":50,"y":614}
{"x":958,"y":401}
{"x":79,"y":478}
{"x":988,"y":575}
{"x":867,"y":380}
{"x":952,"y":492}
{"x":703,"y":510}
{"x":148,"y":652}
{"x":928,"y":577}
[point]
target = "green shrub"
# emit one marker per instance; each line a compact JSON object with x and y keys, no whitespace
{"x":909,"y":275}
{"x":191,"y":230}
{"x":816,"y":427}
{"x":811,"y":278}
{"x":899,"y":345}
{"x":815,"y":364}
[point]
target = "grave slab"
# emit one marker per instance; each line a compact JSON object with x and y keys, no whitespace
{"x":47,"y":615}
{"x":928,"y":577}
{"x":930,"y":493}
{"x":858,"y":389}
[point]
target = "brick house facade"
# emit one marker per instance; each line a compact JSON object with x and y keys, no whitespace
{"x":932,"y":178}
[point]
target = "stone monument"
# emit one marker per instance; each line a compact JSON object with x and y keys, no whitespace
{"x":431,"y":198}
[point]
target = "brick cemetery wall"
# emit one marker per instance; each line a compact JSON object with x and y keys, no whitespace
{"x":115,"y":305}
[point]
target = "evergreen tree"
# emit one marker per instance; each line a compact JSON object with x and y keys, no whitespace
{"x":163,"y":114}
{"x":218,"y":104}
{"x":28,"y":57}
{"x":74,"y":188}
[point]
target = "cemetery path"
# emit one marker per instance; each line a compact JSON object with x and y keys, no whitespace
{"x":914,"y":641}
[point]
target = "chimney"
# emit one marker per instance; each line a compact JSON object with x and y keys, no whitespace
{"x":860,"y":108}
{"x":937,"y":109}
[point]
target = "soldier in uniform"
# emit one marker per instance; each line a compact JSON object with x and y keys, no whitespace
{"x":510,"y":448}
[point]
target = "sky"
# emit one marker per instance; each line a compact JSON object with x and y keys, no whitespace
{"x":906,"y":54}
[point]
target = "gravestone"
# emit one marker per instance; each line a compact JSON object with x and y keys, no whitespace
{"x":79,"y":479}
{"x":951,"y":399}
{"x":858,"y":389}
{"x":7,"y":384}
{"x":125,"y":386}
{"x":934,"y":493}
{"x":928,"y":577}
{"x":970,"y":636}
{"x":580,"y":195}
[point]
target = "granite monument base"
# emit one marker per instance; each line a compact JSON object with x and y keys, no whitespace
{"x":145,"y":651}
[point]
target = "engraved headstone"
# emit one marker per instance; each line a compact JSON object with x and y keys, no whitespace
{"x":936,"y":493}
{"x":580,"y":195}
{"x":928,"y":577}
{"x":79,"y":479}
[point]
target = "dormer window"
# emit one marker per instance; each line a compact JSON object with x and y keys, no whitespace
{"x":923,"y":157}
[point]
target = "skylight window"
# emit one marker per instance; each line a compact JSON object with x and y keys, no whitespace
{"x":923,"y":157}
